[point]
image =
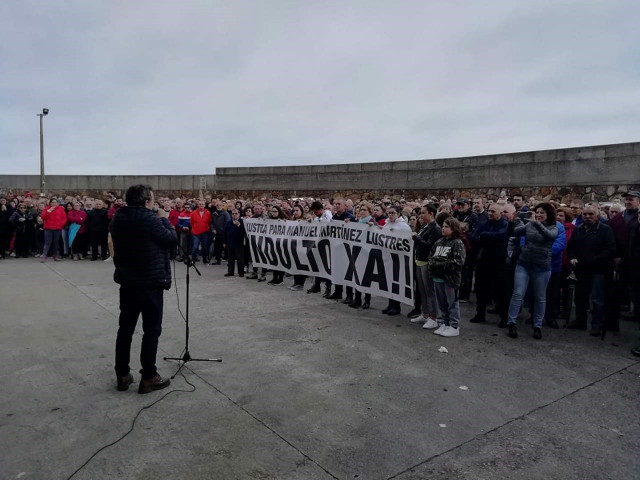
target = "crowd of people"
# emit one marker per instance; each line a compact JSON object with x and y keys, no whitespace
{"x":514,"y":253}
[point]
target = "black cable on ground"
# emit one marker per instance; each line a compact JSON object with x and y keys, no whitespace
{"x":133,"y":424}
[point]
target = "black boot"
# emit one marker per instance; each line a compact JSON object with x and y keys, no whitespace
{"x":356,"y":303}
{"x":348,"y":300}
{"x":415,"y":313}
{"x":365,"y":306}
{"x":513,"y":331}
{"x":537,"y":333}
{"x":335,"y":296}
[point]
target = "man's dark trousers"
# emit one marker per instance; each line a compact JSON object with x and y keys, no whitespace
{"x":99,"y":239}
{"x":490,"y":287}
{"x":133,"y":302}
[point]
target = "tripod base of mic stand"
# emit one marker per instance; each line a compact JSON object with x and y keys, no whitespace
{"x":187,"y":358}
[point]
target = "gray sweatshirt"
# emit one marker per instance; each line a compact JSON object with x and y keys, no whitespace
{"x":537,"y":249}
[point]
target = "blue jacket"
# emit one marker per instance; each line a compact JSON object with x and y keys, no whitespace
{"x":490,"y":241}
{"x":559,"y":244}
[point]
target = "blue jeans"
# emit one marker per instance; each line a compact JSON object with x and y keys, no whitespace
{"x":197,"y":240}
{"x":447,"y":296}
{"x":539,"y":277}
{"x":51,"y":240}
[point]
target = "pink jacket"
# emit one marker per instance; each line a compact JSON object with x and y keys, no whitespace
{"x":77,"y":216}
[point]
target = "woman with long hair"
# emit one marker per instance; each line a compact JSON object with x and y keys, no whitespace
{"x":534,"y":265}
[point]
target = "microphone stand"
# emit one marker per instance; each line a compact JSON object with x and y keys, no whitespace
{"x":182,"y":361}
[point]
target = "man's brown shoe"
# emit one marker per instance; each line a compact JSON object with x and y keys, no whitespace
{"x":124,"y":382}
{"x":155,"y":383}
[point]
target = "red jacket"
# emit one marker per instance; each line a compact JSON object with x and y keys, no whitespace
{"x":174,"y":214}
{"x":55,"y":220}
{"x":78,"y":216}
{"x":200,"y":223}
{"x":622,"y":232}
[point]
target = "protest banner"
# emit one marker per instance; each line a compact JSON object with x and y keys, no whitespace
{"x":369,"y":258}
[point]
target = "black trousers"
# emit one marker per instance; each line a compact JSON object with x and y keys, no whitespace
{"x":22,"y":243}
{"x":79,"y":245}
{"x":467,"y":275}
{"x":218,"y":246}
{"x":553,"y":297}
{"x":133,"y":302}
{"x":490,"y":286}
{"x":99,"y":239}
{"x":236,"y":254}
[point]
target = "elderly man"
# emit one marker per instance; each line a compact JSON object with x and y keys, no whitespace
{"x":623,"y":226}
{"x":591,"y":252}
{"x":490,"y":242}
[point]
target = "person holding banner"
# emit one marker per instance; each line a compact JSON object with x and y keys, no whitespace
{"x":276,"y":213}
{"x":394,"y":222}
{"x":364,"y":216}
{"x":340,"y":206}
{"x":319,"y":214}
{"x":298,"y":280}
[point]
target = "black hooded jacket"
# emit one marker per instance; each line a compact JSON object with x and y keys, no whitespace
{"x":141,"y":243}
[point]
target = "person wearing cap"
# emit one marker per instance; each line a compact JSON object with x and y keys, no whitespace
{"x":623,"y":225}
{"x":464,"y":214}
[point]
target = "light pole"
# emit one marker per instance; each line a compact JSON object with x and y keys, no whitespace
{"x":45,"y":111}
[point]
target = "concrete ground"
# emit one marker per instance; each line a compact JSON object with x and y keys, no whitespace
{"x":308,"y":389}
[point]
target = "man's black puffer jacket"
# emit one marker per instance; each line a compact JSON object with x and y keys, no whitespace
{"x":141,"y":242}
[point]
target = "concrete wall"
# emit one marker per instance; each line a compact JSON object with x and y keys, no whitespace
{"x":616,"y":166}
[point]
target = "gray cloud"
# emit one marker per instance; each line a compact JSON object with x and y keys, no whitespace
{"x":184,"y":87}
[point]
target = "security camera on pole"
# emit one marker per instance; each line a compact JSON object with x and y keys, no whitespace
{"x":45,"y":111}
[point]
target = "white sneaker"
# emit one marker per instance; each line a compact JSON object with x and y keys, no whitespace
{"x":108,"y":260}
{"x":450,"y":332}
{"x":418,"y":319}
{"x":440,"y":329}
{"x":430,"y":323}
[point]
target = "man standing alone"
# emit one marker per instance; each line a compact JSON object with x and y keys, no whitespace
{"x":142,"y":242}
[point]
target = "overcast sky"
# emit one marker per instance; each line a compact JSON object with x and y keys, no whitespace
{"x":167,"y":87}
